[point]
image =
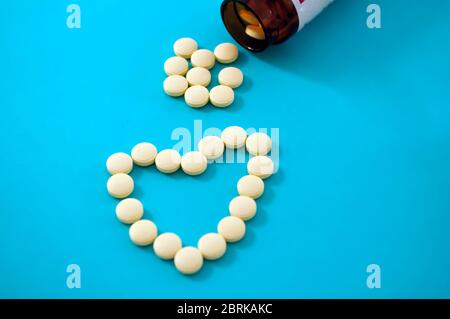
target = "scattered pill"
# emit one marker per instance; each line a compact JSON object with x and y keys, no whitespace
{"x":231,"y":77}
{"x":248,"y":17}
{"x":221,"y":96}
{"x":212,"y":246}
{"x":251,"y":186}
{"x":167,"y":245}
{"x":258,"y":143}
{"x":168,"y":161}
{"x":119,"y":163}
{"x":188,"y":260}
{"x":143,"y":154}
{"x":211,"y":146}
{"x":226,"y":53}
{"x":143,"y":232}
{"x":184,"y":47}
{"x":175,"y":85}
{"x":198,"y":76}
{"x":194,"y":163}
{"x":234,"y":137}
{"x":203,"y":58}
{"x":129,"y":210}
{"x":196,"y":96}
{"x":261,"y":166}
{"x":120,"y":185}
{"x":255,"y":31}
{"x":231,"y":228}
{"x":243,"y":207}
{"x":176,"y":65}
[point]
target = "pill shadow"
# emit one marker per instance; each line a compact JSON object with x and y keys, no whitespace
{"x":230,"y":257}
{"x":245,"y":87}
{"x":243,"y":59}
{"x":234,"y":249}
{"x":237,"y":106}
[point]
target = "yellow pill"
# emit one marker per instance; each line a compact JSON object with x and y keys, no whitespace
{"x":255,"y":31}
{"x":248,"y":17}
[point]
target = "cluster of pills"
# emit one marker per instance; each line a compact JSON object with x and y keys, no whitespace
{"x":193,"y":82}
{"x":143,"y":232}
{"x":253,"y":28}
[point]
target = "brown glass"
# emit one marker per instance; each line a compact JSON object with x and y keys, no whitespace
{"x":278,"y":19}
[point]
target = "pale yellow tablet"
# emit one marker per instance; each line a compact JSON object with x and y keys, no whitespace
{"x":261,"y":166}
{"x":188,"y":260}
{"x":143,"y":232}
{"x":175,"y":85}
{"x":212,"y":147}
{"x":231,"y":77}
{"x":120,"y":185}
{"x":176,"y":65}
{"x":198,"y":76}
{"x":196,"y":96}
{"x":221,"y":96}
{"x":255,"y":31}
{"x":251,"y":186}
{"x":231,"y":228}
{"x":203,"y":58}
{"x":129,"y":210}
{"x":144,"y":154}
{"x":167,"y":245}
{"x":243,"y":207}
{"x":226,"y":53}
{"x":168,"y":161}
{"x":184,"y":47}
{"x":258,"y":144}
{"x":194,"y":163}
{"x":119,"y":163}
{"x":212,"y":246}
{"x":234,"y":137}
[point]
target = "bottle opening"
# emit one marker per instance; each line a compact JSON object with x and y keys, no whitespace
{"x":244,"y":25}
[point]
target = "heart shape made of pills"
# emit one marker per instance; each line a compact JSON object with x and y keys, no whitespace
{"x":212,"y":246}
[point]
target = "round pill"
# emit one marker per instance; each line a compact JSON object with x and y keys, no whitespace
{"x":212,"y":246}
{"x":196,"y":96}
{"x":243,"y":207}
{"x":143,"y":232}
{"x":248,"y":17}
{"x":194,"y":163}
{"x":221,"y":96}
{"x":251,"y":186}
{"x":168,"y":161}
{"x":261,"y":166}
{"x":226,"y":53}
{"x":231,"y":228}
{"x":129,"y":210}
{"x":167,"y":245}
{"x":255,"y":31}
{"x":234,"y":137}
{"x":175,"y":85}
{"x":188,"y":260}
{"x":203,"y":58}
{"x":258,"y":144}
{"x":211,"y":146}
{"x":198,"y":76}
{"x":120,"y":185}
{"x":184,"y":47}
{"x":231,"y":77}
{"x":176,"y":65}
{"x":143,"y":154}
{"x":119,"y":163}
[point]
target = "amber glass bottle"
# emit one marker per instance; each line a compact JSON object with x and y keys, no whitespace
{"x":256,"y":24}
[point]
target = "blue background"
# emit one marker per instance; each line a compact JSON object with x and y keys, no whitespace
{"x":364,"y":174}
